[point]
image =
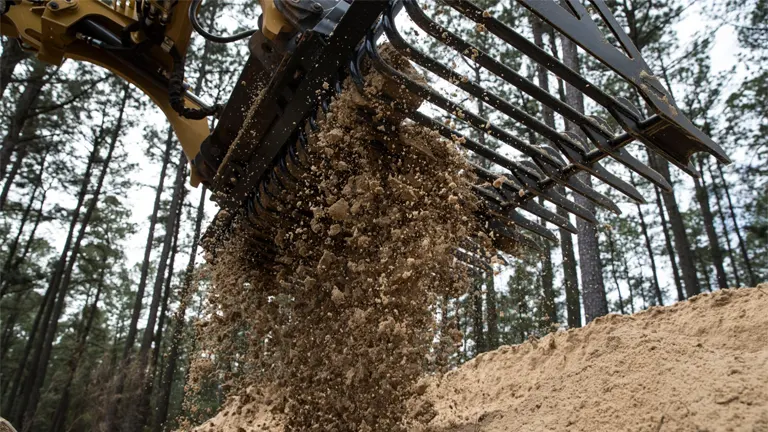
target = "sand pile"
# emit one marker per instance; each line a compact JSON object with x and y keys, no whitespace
{"x":700,"y":365}
{"x":331,"y":328}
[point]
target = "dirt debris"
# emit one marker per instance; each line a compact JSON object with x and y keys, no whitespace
{"x":330,"y":303}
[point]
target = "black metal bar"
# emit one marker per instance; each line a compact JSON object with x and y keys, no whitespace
{"x":316,"y":60}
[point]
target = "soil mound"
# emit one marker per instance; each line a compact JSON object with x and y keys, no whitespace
{"x":700,"y":365}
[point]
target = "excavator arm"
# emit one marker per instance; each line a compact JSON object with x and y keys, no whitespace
{"x":138,"y":46}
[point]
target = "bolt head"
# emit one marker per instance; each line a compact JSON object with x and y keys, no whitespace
{"x":53,"y":5}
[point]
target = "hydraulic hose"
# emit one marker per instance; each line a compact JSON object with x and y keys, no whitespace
{"x":176,"y":92}
{"x":194,"y":4}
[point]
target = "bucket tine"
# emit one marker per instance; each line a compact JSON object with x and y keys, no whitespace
{"x":539,"y":210}
{"x":472,"y":260}
{"x":489,"y":116}
{"x":582,"y":189}
{"x":503,"y":231}
{"x":496,"y":204}
{"x":483,"y":125}
{"x":602,"y":174}
{"x":531,"y":226}
{"x":511,"y":192}
{"x":669,"y":133}
{"x":527,"y":177}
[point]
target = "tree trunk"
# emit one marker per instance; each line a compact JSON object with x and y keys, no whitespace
{"x":8,"y":331}
{"x":649,"y":248}
{"x":593,"y":288}
{"x":157,"y":293}
{"x":158,"y":339}
{"x":11,"y":258}
{"x":721,"y":216}
{"x":549,"y":308}
{"x":42,"y":366}
{"x":476,"y":299}
{"x":669,"y":247}
{"x":166,"y":292}
{"x":716,"y":253}
{"x":145,"y":264}
{"x":24,"y":106}
{"x":742,"y":244}
{"x":492,"y":314}
{"x":570,"y":274}
{"x":112,"y":409}
{"x":60,"y":415}
{"x":12,"y":56}
{"x":613,"y":271}
{"x":679,"y":235}
{"x":46,"y":308}
{"x":185,"y":296}
{"x":15,"y":168}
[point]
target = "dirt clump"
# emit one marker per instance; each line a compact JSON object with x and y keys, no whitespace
{"x":329,"y":303}
{"x":700,"y":365}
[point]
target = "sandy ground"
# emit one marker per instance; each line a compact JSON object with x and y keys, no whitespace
{"x":700,"y":365}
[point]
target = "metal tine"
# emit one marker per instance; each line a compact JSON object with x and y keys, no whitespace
{"x":500,"y":229}
{"x":511,"y":192}
{"x":481,"y":93}
{"x":495,"y":203}
{"x":529,"y":178}
{"x":531,"y":226}
{"x":598,"y":133}
{"x":472,"y":270}
{"x":499,"y":69}
{"x":607,"y":177}
{"x":507,"y":34}
{"x":625,"y":158}
{"x":631,"y":68}
{"x":428,"y":94}
{"x":653,"y":176}
{"x":579,"y":187}
{"x":472,"y":260}
{"x":574,"y":145}
{"x":539,"y":210}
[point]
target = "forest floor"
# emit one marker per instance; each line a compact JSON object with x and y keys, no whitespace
{"x":699,"y":365}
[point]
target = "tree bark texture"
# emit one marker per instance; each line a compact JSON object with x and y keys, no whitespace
{"x":715,"y":252}
{"x":742,"y":244}
{"x":592,"y":285}
{"x":724,"y":223}
{"x":679,"y":235}
{"x":178,"y":323}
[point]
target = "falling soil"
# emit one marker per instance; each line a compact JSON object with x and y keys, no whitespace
{"x":699,"y":365}
{"x":320,"y":315}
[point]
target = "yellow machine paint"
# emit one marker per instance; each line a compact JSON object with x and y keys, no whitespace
{"x":47,"y":29}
